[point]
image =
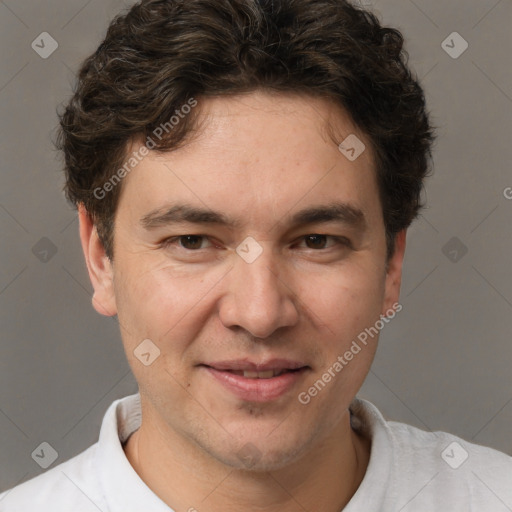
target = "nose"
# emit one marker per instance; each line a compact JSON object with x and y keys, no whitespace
{"x":258,"y":298}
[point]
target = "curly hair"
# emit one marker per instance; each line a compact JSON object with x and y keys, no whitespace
{"x":161,"y":54}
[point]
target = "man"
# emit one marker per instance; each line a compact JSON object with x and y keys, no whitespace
{"x":245,"y":172}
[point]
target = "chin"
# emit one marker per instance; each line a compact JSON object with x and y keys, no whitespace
{"x":260,"y":453}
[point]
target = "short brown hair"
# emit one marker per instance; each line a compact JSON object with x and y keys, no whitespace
{"x":162,"y":53}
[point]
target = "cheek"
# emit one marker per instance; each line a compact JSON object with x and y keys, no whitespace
{"x":161,"y":304}
{"x":152,"y":307}
{"x":349,"y":305}
{"x":346,"y":299}
{"x":148,"y":303}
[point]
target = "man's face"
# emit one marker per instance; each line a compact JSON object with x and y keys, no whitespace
{"x":221,"y":307}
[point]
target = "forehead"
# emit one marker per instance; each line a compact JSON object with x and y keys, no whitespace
{"x":267,"y":152}
{"x":288,"y":121}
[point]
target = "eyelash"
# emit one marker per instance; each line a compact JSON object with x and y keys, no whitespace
{"x":339,"y":240}
{"x":170,"y":241}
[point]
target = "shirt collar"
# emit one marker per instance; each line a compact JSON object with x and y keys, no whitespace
{"x":123,"y":489}
{"x":376,"y":487}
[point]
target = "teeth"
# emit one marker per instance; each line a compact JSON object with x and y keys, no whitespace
{"x":268,"y":374}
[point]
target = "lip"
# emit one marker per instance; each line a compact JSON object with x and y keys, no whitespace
{"x":246,"y":364}
{"x":257,"y":390}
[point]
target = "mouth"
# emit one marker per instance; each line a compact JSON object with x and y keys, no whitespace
{"x":267,"y":374}
{"x":256,"y":382}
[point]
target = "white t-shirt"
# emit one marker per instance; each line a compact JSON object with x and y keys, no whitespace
{"x":409,"y":471}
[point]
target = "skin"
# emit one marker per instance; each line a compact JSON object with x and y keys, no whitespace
{"x":258,"y":159}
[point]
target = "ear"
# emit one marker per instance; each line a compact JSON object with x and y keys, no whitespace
{"x":99,"y":266}
{"x":394,"y":273}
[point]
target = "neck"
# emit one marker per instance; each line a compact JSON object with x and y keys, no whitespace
{"x":188,"y":479}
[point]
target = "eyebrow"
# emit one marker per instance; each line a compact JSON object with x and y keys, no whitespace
{"x":182,"y":213}
{"x":336,"y":212}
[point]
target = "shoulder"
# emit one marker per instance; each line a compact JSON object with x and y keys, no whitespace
{"x":85,"y":482}
{"x":444,"y":450}
{"x":452,"y":470}
{"x":434,"y":470}
{"x":69,"y":486}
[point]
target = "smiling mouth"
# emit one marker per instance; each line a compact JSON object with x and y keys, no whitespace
{"x":258,"y":383}
{"x":267,"y":374}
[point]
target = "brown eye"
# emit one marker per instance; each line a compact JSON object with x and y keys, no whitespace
{"x":316,"y":241}
{"x":191,"y":242}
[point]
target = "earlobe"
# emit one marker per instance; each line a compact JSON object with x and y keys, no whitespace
{"x":98,"y":265}
{"x":394,"y":273}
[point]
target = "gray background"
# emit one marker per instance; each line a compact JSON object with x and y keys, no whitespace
{"x":443,"y":364}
